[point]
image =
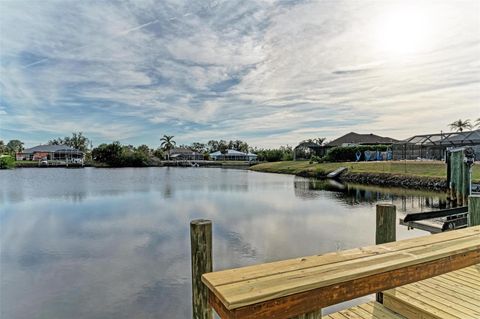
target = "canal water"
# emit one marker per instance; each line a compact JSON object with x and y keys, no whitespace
{"x":114,"y":243}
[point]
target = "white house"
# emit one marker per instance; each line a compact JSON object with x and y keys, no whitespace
{"x":233,"y":155}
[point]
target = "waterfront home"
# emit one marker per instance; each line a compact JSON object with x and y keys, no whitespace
{"x":352,"y":139}
{"x":233,"y":155}
{"x":185,"y":154}
{"x":434,"y":146}
{"x":50,"y":152}
{"x":306,"y":149}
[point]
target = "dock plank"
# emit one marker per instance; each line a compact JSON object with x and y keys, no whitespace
{"x":371,"y":310}
{"x":256,"y":271}
{"x":242,"y":293}
{"x":444,"y":296}
{"x":458,"y":287}
{"x":413,"y":308}
{"x":456,"y":306}
{"x":449,"y":291}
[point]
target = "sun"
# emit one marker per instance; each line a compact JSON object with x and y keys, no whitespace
{"x":403,"y":30}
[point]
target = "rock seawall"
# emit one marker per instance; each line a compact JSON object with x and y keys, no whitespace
{"x":411,"y":182}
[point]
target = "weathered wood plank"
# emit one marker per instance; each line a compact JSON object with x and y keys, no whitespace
{"x":474,"y":210}
{"x":292,"y":305}
{"x":385,"y":232}
{"x":386,"y":224}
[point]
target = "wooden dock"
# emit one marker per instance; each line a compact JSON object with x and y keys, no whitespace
{"x":454,"y":295}
{"x":430,"y":277}
{"x":293,"y":288}
{"x":371,"y":310}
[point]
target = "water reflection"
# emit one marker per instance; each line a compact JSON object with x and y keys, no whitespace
{"x":113,"y":243}
{"x":406,"y":200}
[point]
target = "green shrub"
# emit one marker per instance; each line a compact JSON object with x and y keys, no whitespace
{"x":315,"y":159}
{"x":347,"y":153}
{"x":284,"y":153}
{"x":7,"y":162}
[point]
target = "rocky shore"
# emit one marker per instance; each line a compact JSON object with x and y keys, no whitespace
{"x":411,"y":182}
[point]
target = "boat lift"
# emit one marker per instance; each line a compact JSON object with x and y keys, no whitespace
{"x":459,"y":180}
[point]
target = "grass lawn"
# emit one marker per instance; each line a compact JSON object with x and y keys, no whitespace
{"x":409,"y":168}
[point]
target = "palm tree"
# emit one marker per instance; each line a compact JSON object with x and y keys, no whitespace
{"x":167,"y":144}
{"x":460,"y":125}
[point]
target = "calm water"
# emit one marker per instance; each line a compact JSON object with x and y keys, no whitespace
{"x":114,"y":243}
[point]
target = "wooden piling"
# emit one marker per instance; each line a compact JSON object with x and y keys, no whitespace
{"x":474,"y":210}
{"x":201,"y":255}
{"x":385,"y":229}
{"x":386,"y":224}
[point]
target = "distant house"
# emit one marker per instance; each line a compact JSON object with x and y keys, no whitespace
{"x":185,"y":154}
{"x":353,"y":138}
{"x":306,"y":149}
{"x":50,"y":152}
{"x":233,"y":155}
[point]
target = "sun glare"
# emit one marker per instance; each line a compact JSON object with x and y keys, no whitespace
{"x":403,"y":31}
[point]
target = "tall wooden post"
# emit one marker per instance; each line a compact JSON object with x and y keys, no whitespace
{"x":474,"y":210}
{"x":385,"y":229}
{"x":201,"y":253}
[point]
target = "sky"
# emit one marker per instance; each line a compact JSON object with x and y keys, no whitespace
{"x":269,"y":72}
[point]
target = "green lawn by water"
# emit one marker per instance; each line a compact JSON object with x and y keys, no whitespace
{"x":409,"y":168}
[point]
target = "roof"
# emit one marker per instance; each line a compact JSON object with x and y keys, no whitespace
{"x":232,"y":153}
{"x":50,"y":149}
{"x":217,"y":153}
{"x":235,"y":153}
{"x":366,"y":139}
{"x":445,"y":139}
{"x":184,"y":151}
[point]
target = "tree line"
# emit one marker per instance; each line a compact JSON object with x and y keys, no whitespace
{"x":116,"y":154}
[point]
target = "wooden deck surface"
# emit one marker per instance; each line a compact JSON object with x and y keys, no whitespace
{"x":455,"y":295}
{"x":371,"y":310}
{"x":241,"y":287}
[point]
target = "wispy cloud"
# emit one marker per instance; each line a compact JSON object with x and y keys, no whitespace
{"x":272,"y":72}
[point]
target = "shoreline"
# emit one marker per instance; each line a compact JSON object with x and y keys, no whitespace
{"x":418,"y":175}
{"x":365,"y":173}
{"x":391,"y":180}
{"x":224,"y":164}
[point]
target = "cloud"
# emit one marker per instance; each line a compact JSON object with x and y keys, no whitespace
{"x":266,"y":71}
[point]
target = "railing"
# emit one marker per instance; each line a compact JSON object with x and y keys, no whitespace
{"x":299,"y":288}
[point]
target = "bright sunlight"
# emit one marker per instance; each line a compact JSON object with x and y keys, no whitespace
{"x":404,"y":30}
